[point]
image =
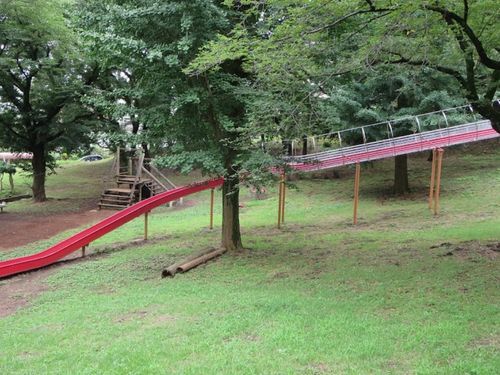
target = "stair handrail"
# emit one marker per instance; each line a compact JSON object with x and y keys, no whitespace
{"x":154,"y":178}
{"x":106,"y":178}
{"x":138,"y":175}
{"x":162,"y":176}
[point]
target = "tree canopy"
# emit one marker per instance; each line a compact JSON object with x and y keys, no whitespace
{"x":42,"y":81}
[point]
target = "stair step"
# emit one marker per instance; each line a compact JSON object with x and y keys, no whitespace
{"x":118,"y":190}
{"x":111,"y":206}
{"x":115,"y":196}
{"x":115,"y":201}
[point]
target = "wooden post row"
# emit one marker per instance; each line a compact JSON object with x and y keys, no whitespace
{"x":212,"y":193}
{"x":437,"y":190}
{"x":356,"y":193}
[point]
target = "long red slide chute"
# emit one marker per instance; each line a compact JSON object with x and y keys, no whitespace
{"x":83,"y":238}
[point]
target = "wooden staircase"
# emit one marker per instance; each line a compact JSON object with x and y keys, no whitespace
{"x":133,"y":187}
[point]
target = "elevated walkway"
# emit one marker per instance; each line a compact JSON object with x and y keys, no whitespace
{"x":402,"y":136}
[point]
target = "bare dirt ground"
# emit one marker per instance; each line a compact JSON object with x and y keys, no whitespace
{"x":21,"y":229}
{"x":18,"y":291}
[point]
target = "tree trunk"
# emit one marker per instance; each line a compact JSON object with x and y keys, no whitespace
{"x":401,"y":185}
{"x":11,"y":182}
{"x":304,"y":145}
{"x":231,"y":236}
{"x":491,"y":111}
{"x":39,"y":164}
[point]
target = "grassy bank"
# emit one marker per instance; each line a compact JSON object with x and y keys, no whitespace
{"x":402,"y":292}
{"x":74,"y":185}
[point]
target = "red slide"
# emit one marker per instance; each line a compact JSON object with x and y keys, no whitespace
{"x":83,"y":238}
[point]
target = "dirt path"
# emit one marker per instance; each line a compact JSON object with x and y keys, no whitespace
{"x":18,"y":229}
{"x":19,"y":291}
{"x":22,"y":229}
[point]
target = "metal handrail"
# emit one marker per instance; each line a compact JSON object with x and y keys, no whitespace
{"x":415,"y":117}
{"x":325,"y":155}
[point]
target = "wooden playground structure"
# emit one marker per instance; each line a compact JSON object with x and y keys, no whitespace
{"x":434,"y":188}
{"x":134,"y":178}
{"x":140,"y":187}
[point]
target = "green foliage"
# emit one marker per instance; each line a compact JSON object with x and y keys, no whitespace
{"x":304,"y":52}
{"x":7,"y":168}
{"x":191,"y":116}
{"x":43,"y":78}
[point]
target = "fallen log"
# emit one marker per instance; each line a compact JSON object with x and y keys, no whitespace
{"x":191,"y":262}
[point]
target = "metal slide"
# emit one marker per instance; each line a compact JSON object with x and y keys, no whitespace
{"x":428,"y":131}
{"x":83,"y":238}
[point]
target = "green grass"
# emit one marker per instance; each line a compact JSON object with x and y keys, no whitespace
{"x":318,"y":296}
{"x":74,"y":184}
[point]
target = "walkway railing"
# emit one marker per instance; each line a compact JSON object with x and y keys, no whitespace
{"x":391,"y":129}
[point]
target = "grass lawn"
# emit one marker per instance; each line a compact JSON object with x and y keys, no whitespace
{"x":74,"y":184}
{"x":403,"y":292}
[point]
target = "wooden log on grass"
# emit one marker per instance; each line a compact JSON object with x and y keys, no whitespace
{"x":181,"y":266}
{"x":196,"y":262}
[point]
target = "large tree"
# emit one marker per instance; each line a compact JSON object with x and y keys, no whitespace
{"x":42,"y":81}
{"x":201,"y":117}
{"x":312,"y":41}
{"x":459,"y":39}
{"x":304,"y":51}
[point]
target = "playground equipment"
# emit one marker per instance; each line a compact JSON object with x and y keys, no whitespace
{"x":135,"y":179}
{"x":191,"y":262}
{"x":429,"y":131}
{"x":82,"y":239}
{"x":6,"y":156}
{"x":396,"y":144}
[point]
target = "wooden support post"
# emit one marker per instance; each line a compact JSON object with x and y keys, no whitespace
{"x":118,"y":161}
{"x":146,"y":226}
{"x":356,"y":193}
{"x":283,"y":195}
{"x":280,"y":196}
{"x":83,"y":250}
{"x":212,"y":195}
{"x":433,"y":176}
{"x":439,"y":165}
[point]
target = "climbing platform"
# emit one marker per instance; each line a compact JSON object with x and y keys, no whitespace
{"x":134,"y":179}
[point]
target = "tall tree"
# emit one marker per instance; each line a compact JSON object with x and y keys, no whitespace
{"x":316,"y":39}
{"x":201,"y":117}
{"x":455,"y":38}
{"x":42,"y":79}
